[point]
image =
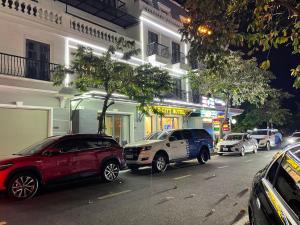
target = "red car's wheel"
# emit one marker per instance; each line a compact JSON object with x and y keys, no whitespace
{"x":23,"y":186}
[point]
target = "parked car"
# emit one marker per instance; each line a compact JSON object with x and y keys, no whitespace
{"x":60,"y":159}
{"x":294,"y":138}
{"x":275,"y":194}
{"x":163,"y":147}
{"x":237,"y":143}
{"x":267,"y":138}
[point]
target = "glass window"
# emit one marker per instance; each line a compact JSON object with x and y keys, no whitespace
{"x":202,"y":134}
{"x":38,"y":146}
{"x":72,"y":145}
{"x":288,"y":183}
{"x":187,"y":134}
{"x":296,"y":135}
{"x":177,"y":135}
{"x":272,"y":171}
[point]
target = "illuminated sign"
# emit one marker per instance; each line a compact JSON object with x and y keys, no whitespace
{"x":208,"y":113}
{"x":170,"y":110}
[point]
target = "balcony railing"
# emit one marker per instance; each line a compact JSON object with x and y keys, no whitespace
{"x":178,"y":58}
{"x":158,"y":49}
{"x":18,"y":66}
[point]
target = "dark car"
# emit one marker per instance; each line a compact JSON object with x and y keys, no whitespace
{"x":275,"y":195}
{"x":60,"y":159}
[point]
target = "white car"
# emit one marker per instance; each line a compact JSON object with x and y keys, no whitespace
{"x":163,"y":147}
{"x":266,"y":138}
{"x":294,"y":138}
{"x":237,"y":143}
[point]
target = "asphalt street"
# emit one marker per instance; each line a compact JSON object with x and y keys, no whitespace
{"x":186,"y":193}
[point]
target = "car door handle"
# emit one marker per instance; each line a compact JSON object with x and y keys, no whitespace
{"x":181,"y":142}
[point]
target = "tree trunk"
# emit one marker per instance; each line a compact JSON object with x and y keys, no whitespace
{"x":101,"y":125}
{"x":227,"y":105}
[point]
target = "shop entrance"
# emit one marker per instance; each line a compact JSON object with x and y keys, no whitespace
{"x":118,"y":126}
{"x":167,"y":123}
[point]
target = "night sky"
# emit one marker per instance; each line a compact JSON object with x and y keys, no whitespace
{"x":282,"y":61}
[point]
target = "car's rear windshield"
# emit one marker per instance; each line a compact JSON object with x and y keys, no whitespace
{"x":260,"y":132}
{"x":234,"y":137}
{"x":38,"y":146}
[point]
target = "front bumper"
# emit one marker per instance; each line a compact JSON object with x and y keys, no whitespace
{"x":144,"y":158}
{"x":229,"y":150}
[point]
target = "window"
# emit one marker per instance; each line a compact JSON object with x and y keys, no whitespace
{"x":177,"y":135}
{"x":273,"y":169}
{"x":202,"y":134}
{"x":288,"y":184}
{"x":152,"y":37}
{"x":175,"y":53}
{"x":72,"y":145}
{"x":187,"y":134}
{"x":100,"y":143}
{"x":38,"y":59}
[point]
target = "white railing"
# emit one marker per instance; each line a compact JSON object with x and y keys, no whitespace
{"x":150,"y":9}
{"x":31,"y":9}
{"x":94,"y":31}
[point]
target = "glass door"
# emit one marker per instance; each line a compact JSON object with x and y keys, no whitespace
{"x":118,"y":126}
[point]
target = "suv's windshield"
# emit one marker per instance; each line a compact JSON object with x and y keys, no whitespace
{"x":260,"y":132}
{"x":160,"y":135}
{"x":234,"y":137}
{"x":37,"y":147}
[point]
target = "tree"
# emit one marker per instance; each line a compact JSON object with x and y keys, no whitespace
{"x":141,"y":84}
{"x":233,"y":79}
{"x":258,"y":25}
{"x":269,"y":114}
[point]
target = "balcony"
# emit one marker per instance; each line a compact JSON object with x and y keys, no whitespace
{"x":18,"y":66}
{"x":113,"y":11}
{"x":177,"y":94}
{"x":179,"y":61}
{"x":158,"y":54}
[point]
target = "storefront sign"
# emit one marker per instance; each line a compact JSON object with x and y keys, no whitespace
{"x":208,"y":113}
{"x":171,"y":110}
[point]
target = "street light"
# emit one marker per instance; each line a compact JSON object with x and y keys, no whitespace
{"x":204,"y":30}
{"x":233,"y":121}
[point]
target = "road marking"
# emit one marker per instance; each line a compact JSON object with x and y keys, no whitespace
{"x":113,"y":195}
{"x":242,"y":221}
{"x":250,"y":160}
{"x":221,"y":167}
{"x":182,"y":177}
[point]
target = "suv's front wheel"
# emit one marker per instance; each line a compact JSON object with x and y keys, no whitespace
{"x":159,"y":163}
{"x":23,"y":186}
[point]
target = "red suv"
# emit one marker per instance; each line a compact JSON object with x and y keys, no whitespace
{"x":57,"y":159}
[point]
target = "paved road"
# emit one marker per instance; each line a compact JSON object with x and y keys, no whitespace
{"x":211,"y":194}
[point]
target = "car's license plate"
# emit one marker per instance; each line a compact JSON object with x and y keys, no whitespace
{"x":225,"y":149}
{"x":129,"y":156}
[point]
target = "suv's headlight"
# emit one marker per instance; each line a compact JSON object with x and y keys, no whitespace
{"x":146,"y":148}
{"x":5,"y":166}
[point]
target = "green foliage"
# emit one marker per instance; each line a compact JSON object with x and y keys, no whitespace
{"x":141,"y":84}
{"x":270,"y":113}
{"x":258,"y":24}
{"x":232,"y":78}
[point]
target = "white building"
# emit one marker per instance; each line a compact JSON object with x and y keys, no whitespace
{"x":37,"y":35}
